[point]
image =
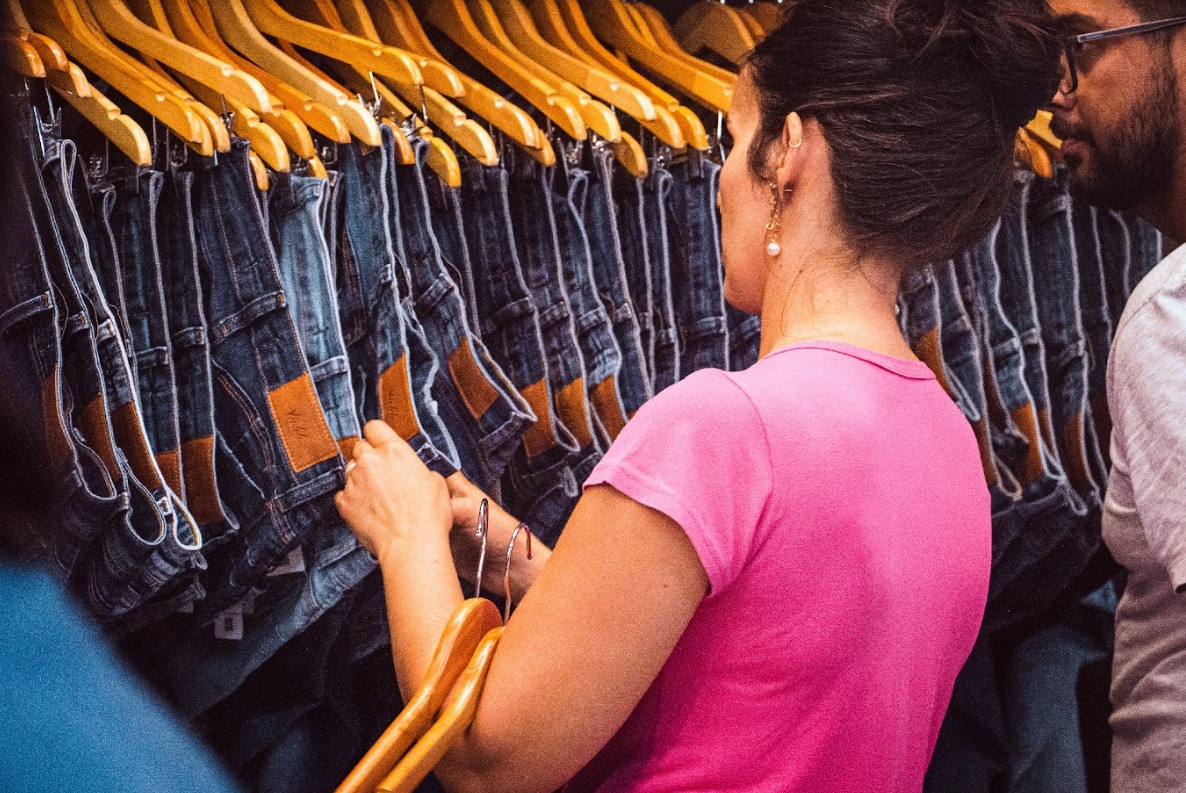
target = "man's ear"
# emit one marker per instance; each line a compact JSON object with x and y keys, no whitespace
{"x":790,"y":160}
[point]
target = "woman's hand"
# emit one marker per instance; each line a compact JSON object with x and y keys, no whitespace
{"x":391,"y":498}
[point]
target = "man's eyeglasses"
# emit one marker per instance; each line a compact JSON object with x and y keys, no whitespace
{"x":1073,"y":45}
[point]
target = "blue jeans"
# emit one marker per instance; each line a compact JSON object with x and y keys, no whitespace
{"x":484,"y":414}
{"x":658,"y":186}
{"x":600,"y":354}
{"x":599,"y":215}
{"x":696,"y":273}
{"x":1146,"y":250}
{"x":629,"y":204}
{"x":1097,"y":332}
{"x":153,"y":542}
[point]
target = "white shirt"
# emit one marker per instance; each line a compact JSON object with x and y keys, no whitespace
{"x":1144,"y":525}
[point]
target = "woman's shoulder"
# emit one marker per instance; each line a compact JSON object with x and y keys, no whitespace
{"x":706,"y":395}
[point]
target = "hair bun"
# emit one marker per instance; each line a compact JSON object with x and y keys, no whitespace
{"x":1007,"y":45}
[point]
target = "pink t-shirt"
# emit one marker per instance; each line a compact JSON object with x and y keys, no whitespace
{"x":836,"y":500}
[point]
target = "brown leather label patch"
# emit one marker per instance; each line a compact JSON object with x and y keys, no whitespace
{"x":573,"y":406}
{"x":395,"y":400}
{"x":201,"y":489}
{"x":129,"y":434}
{"x":346,"y":446}
{"x":301,"y":423}
{"x":539,"y":437}
{"x":57,"y":443}
{"x":97,"y":433}
{"x":609,"y":407}
{"x":476,"y":390}
{"x":170,"y":465}
{"x":929,"y":352}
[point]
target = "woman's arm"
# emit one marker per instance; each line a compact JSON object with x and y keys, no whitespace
{"x":585,"y":644}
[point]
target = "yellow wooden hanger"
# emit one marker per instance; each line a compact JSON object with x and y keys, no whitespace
{"x":597,"y":117}
{"x":118,"y":22}
{"x":272,"y":20}
{"x":1039,"y":129}
{"x":68,"y":81}
{"x":550,"y":27}
{"x":555,"y":17}
{"x":61,"y":21}
{"x":394,"y":22}
{"x":21,"y":57}
{"x":651,"y":22}
{"x":313,"y":114}
{"x":630,"y":153}
{"x":442,"y":113}
{"x":715,"y":27}
{"x":236,"y":28}
{"x":611,"y":21}
{"x":466,"y":628}
{"x":220,"y":136}
{"x":453,"y":19}
{"x":751,"y":22}
{"x":176,"y":18}
{"x":457,"y":714}
{"x":519,"y":25}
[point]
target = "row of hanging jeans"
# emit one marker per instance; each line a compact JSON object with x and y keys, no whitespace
{"x":1018,"y":330}
{"x":200,"y":357}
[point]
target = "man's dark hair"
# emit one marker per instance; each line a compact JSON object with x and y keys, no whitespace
{"x":920,"y":102}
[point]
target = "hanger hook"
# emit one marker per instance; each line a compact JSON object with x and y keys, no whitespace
{"x":506,"y":576}
{"x":482,"y":532}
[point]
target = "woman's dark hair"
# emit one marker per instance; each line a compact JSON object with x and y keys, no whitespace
{"x":920,"y":102}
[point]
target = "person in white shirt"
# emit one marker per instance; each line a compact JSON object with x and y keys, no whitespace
{"x":1119,"y":111}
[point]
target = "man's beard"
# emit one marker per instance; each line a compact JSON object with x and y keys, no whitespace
{"x":1135,"y":160}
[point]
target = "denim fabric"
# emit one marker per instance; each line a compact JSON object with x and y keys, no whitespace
{"x":302,"y":256}
{"x":745,"y":338}
{"x":451,"y":230}
{"x":279,"y":463}
{"x":135,"y":225}
{"x":1054,"y":266}
{"x":599,"y":215}
{"x":600,"y":353}
{"x":1146,"y":250}
{"x":1116,"y":251}
{"x":1097,"y":334}
{"x":538,"y":481}
{"x":36,"y":399}
{"x":147,"y":552}
{"x":373,"y":325}
{"x":544,"y":495}
{"x":697,"y":285}
{"x":630,"y":210}
{"x":191,"y":358}
{"x":1019,"y":302}
{"x":485,"y":416}
{"x":657,"y":189}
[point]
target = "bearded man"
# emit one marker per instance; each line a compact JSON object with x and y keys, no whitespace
{"x":1120,"y":112}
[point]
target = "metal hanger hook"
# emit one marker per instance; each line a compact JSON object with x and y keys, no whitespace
{"x":482,"y":532}
{"x":506,"y":576}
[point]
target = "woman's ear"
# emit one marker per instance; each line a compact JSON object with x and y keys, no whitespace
{"x":790,"y":161}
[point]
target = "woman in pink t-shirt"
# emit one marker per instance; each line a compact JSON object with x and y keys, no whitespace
{"x":773,"y":577}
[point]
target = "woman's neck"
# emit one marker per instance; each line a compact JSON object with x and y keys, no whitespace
{"x":834,"y":297}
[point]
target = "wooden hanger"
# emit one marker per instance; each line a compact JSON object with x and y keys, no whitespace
{"x":555,"y":17}
{"x":263,"y":182}
{"x":651,"y":22}
{"x":597,"y":117}
{"x":314,"y":115}
{"x":630,"y":153}
{"x":1039,"y":129}
{"x":715,"y":27}
{"x":469,"y":624}
{"x":272,"y":20}
{"x":21,"y":57}
{"x":453,"y":19}
{"x":394,"y":22}
{"x":769,"y":15}
{"x":177,"y":19}
{"x":519,"y":25}
{"x":751,"y":22}
{"x":237,"y":29}
{"x":457,"y":714}
{"x":442,"y":113}
{"x":612,"y":22}
{"x":118,"y":22}
{"x":61,"y":21}
{"x":553,"y":32}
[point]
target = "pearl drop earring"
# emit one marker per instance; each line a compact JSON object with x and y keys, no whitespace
{"x":773,"y":246}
